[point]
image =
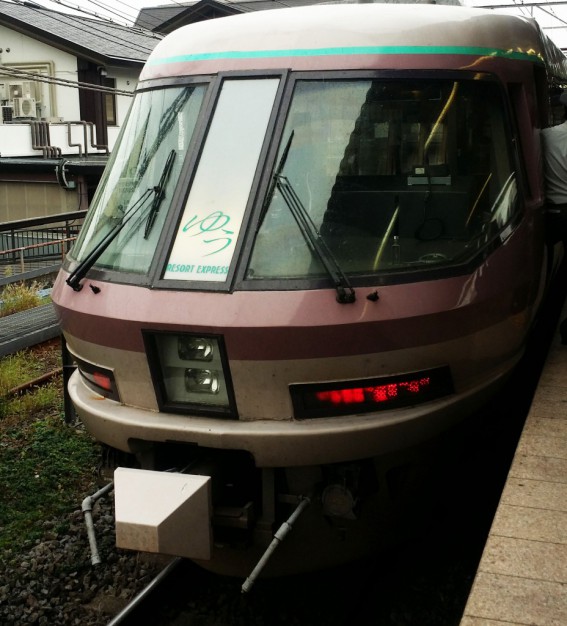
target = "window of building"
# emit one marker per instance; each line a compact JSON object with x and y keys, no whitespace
{"x":110,"y":101}
{"x":27,"y":94}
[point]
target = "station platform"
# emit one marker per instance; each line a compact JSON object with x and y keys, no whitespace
{"x":522,"y":575}
{"x":27,"y":328}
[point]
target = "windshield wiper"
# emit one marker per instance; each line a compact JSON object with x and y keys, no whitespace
{"x":275,"y":177}
{"x":74,"y":280}
{"x":160,"y":194}
{"x":345,"y":292}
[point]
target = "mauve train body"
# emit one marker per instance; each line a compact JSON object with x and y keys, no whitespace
{"x":319,"y":243}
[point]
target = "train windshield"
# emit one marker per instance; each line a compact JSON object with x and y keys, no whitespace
{"x":134,"y":195}
{"x":391,"y":174}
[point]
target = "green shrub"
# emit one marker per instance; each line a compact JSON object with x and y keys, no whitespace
{"x":19,"y":297}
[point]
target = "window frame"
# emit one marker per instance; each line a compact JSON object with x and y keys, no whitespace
{"x":236,"y":277}
{"x":186,"y":179}
{"x":433,"y":272}
{"x":147,"y":279}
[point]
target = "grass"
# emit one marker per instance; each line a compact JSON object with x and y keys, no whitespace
{"x":21,"y":366}
{"x":18,"y":297}
{"x":46,"y":465}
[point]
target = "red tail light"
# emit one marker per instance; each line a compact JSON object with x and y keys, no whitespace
{"x":102,"y":380}
{"x":99,"y":379}
{"x":362,"y":396}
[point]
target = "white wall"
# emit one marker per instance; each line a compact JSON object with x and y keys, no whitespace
{"x":126,"y":80}
{"x":57,"y":100}
{"x":16,"y":140}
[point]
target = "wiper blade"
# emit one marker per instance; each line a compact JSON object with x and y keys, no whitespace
{"x":160,"y":194}
{"x":345,"y":292}
{"x":276,"y":175}
{"x":74,"y":280}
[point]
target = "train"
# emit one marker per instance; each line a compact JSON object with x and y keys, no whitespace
{"x":319,"y":243}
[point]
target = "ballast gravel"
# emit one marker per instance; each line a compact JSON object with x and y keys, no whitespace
{"x":52,"y":581}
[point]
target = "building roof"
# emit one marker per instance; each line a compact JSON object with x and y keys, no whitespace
{"x":169,"y":17}
{"x":166,"y":18}
{"x":153,"y":17}
{"x":95,"y":40}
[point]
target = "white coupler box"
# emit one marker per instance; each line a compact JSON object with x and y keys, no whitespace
{"x":163,"y":512}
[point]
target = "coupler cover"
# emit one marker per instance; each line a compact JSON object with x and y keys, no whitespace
{"x":163,"y":512}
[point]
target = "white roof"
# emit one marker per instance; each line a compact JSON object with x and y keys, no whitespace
{"x":287,"y":35}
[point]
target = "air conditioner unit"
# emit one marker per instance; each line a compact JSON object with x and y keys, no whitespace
{"x":25,"y":107}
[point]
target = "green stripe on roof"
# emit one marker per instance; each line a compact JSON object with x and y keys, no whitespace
{"x":350,"y":51}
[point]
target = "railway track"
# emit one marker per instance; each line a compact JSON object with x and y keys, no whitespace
{"x":46,"y":352}
{"x":38,"y":381}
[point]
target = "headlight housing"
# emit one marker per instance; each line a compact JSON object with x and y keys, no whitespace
{"x":190,"y":373}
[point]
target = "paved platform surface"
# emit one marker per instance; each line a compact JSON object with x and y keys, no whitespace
{"x":22,"y":330}
{"x":522,"y":575}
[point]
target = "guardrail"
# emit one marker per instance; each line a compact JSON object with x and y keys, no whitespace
{"x":20,"y":252}
{"x":37,"y":246}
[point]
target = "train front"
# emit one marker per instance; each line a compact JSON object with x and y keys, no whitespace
{"x":287,"y":279}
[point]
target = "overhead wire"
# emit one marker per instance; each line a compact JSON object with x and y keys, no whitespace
{"x":552,"y":13}
{"x":64,"y":82}
{"x":104,"y":34}
{"x":140,"y":21}
{"x":546,"y":11}
{"x":181,"y":5}
{"x":130,"y":18}
{"x":78,"y":8}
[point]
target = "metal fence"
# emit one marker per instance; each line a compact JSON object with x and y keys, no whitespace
{"x":35,"y":247}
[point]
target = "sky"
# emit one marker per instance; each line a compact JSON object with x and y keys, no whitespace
{"x":552,"y":15}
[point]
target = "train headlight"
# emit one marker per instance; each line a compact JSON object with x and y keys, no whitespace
{"x":195,"y":348}
{"x":190,"y":373}
{"x":201,"y":381}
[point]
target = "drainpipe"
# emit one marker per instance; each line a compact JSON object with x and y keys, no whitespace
{"x":93,"y":144}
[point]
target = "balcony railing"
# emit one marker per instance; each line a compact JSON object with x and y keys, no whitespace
{"x":54,"y":140}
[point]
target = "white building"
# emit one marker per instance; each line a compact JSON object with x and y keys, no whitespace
{"x":65,"y":85}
